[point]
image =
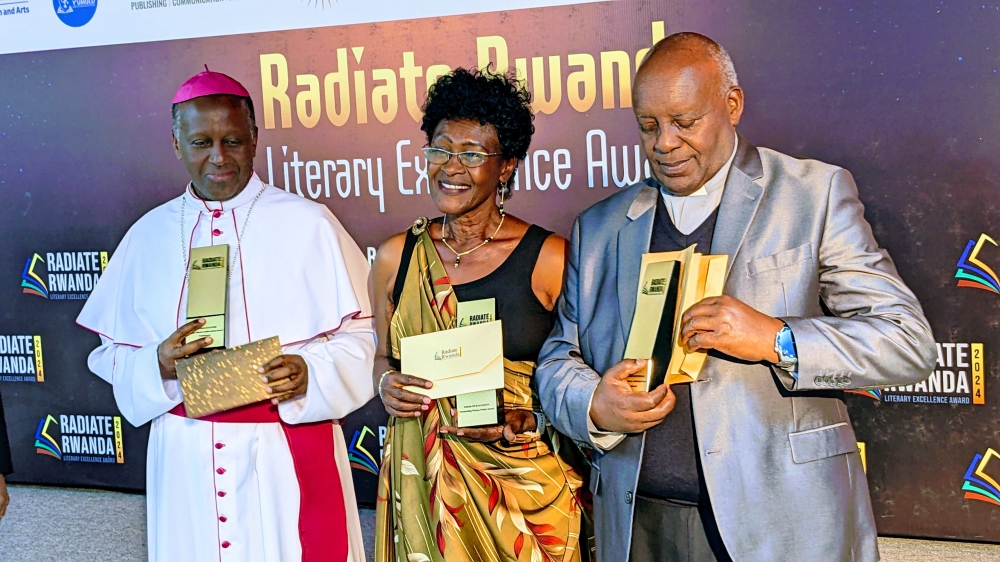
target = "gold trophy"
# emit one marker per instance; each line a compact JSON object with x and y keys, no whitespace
{"x":219,"y":379}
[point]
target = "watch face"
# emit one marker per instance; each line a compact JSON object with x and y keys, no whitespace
{"x":785,"y":344}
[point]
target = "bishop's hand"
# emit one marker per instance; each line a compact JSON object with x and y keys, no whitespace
{"x":616,"y":407}
{"x":174,"y":349}
{"x":287,"y":376}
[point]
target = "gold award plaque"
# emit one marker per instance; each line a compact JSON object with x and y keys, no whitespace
{"x":226,"y":378}
{"x":208,"y":290}
{"x":700,"y":276}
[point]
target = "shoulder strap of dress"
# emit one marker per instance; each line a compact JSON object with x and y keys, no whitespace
{"x":531,"y":246}
{"x":404,"y":265}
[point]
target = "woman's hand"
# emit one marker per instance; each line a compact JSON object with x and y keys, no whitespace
{"x":516,"y":422}
{"x":400,"y":402}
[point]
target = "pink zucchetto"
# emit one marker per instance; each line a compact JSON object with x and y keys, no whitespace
{"x":209,"y":83}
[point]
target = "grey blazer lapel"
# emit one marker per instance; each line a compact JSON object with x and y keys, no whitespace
{"x":740,"y":200}
{"x":633,"y":242}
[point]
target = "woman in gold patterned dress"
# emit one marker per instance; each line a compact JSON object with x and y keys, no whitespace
{"x":498,"y":493}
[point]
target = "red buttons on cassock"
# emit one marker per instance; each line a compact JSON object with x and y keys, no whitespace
{"x":222,"y":494}
{"x":220,"y":470}
{"x":225,"y":544}
{"x":219,"y":445}
{"x":216,"y":213}
{"x":223,"y":519}
{"x":216,"y":232}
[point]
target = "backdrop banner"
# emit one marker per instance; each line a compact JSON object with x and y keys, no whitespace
{"x":902,"y":95}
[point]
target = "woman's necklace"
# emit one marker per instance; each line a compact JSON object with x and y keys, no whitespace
{"x":458,"y":255}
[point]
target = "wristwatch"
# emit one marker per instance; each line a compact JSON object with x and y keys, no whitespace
{"x":540,"y":422}
{"x":784,"y":346}
{"x":535,"y":434}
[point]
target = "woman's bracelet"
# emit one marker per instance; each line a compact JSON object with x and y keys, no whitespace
{"x":380,"y":379}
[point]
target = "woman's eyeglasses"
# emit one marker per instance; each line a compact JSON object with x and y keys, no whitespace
{"x":469,"y":159}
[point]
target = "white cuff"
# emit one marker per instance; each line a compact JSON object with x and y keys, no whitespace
{"x":140,"y":393}
{"x":172,"y":388}
{"x":604,"y":440}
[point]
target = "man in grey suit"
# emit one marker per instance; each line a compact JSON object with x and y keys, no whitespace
{"x":757,"y":460}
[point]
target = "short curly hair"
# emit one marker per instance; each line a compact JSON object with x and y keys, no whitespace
{"x":487,"y":97}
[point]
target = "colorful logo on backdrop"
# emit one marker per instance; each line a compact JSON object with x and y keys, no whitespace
{"x":361,"y":458}
{"x":973,"y":272}
{"x":959,"y":378}
{"x":979,"y":483}
{"x":21,"y":358}
{"x":78,"y":438}
{"x":61,"y":276}
{"x":75,"y":13}
{"x":875,"y":393}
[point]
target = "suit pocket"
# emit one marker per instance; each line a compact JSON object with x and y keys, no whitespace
{"x":822,"y":442}
{"x":781,"y":259}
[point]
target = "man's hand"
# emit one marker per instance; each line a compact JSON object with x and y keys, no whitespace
{"x":287,"y":376}
{"x":731,"y":327}
{"x":4,"y":497}
{"x":173,"y":348}
{"x":400,"y":402}
{"x":515,"y":423}
{"x":616,"y":407}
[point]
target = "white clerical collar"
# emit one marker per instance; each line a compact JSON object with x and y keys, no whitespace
{"x":244,"y":197}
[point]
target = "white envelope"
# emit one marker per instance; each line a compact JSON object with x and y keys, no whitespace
{"x":457,"y":361}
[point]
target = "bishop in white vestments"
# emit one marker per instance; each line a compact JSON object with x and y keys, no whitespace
{"x":271,"y":481}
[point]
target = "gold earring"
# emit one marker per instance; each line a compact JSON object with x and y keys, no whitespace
{"x":503,"y":191}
